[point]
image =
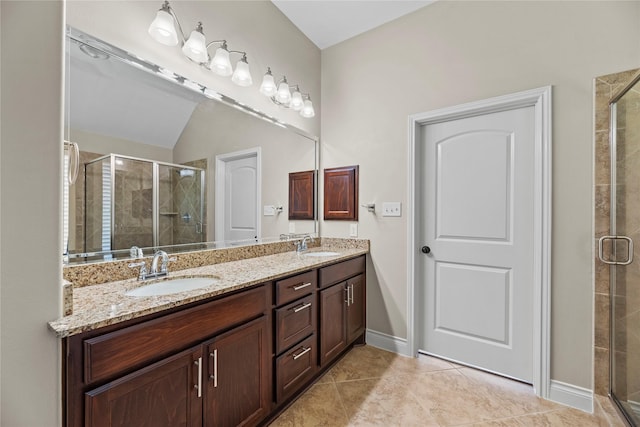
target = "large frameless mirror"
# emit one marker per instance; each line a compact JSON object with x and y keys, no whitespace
{"x":164,"y":162}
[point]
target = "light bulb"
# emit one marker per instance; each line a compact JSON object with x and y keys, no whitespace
{"x":162,"y":29}
{"x":195,"y":48}
{"x":283,"y":96}
{"x":307,"y":111}
{"x":268,"y":86}
{"x":220,"y":64}
{"x":242,"y":75}
{"x":296,"y":100}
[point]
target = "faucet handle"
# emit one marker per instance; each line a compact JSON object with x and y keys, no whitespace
{"x":143,"y":269}
{"x":164,"y":267}
{"x":135,"y":252}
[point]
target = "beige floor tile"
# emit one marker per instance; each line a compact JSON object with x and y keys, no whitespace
{"x":362,"y":363}
{"x":318,"y":406}
{"x":382,"y":402}
{"x":373,"y":387}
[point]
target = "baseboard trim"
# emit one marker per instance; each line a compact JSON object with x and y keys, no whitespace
{"x":388,"y":342}
{"x":571,"y":395}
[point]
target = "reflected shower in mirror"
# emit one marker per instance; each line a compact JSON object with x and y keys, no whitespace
{"x":125,"y":112}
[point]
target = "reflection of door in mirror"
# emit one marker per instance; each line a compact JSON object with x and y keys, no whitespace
{"x":238,"y":195}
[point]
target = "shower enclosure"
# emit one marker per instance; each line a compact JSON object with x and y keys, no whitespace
{"x":137,"y":202}
{"x":624,"y":263}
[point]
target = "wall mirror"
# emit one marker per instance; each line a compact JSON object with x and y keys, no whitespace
{"x":165,"y":162}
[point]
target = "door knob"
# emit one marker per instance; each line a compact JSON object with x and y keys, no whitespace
{"x":425,"y":249}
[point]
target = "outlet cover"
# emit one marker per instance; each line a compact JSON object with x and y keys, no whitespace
{"x":292,"y":227}
{"x":353,"y":230}
{"x":392,"y":209}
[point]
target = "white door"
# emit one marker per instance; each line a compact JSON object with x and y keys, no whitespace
{"x":477,"y":220}
{"x":237,"y":196}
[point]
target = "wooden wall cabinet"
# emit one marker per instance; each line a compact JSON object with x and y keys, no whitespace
{"x":302,"y":195}
{"x":341,"y":193}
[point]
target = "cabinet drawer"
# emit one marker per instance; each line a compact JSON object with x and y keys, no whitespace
{"x":295,"y":321}
{"x":295,"y":287}
{"x":295,"y":367}
{"x":137,"y":345}
{"x":341,"y":271}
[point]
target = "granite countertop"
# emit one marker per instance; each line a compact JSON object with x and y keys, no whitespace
{"x":106,"y":304}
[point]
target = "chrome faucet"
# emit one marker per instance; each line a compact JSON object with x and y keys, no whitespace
{"x":301,"y":246}
{"x":153,"y":271}
{"x":163,"y":267}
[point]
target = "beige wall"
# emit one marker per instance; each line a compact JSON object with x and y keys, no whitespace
{"x":215,"y":129}
{"x":455,"y":52}
{"x":258,"y":27}
{"x":30,"y":171}
{"x":102,"y":144}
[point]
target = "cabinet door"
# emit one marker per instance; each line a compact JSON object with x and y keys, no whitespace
{"x":238,"y":376}
{"x":355,"y":307}
{"x":164,"y":394}
{"x":332,"y":322}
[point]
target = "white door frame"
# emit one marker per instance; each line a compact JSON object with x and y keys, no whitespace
{"x":221,"y":161}
{"x":540,"y":99}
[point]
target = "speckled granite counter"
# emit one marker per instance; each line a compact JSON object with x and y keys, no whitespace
{"x":106,"y":304}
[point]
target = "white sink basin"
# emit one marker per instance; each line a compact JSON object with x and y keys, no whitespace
{"x":171,"y":286}
{"x":322,"y":253}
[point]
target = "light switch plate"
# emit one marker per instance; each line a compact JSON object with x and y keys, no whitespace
{"x":391,"y":209}
{"x":292,"y":227}
{"x":353,"y":230}
{"x":269,"y":210}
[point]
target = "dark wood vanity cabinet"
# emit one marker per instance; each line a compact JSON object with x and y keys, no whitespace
{"x":235,"y":360}
{"x":342,"y":307}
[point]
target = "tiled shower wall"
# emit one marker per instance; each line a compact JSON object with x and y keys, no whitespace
{"x":605,"y":88}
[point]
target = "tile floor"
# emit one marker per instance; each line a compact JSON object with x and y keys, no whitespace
{"x":373,"y":387}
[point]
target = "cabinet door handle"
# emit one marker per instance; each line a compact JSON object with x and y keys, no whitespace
{"x":346,"y":289}
{"x":302,"y":286}
{"x":351,"y":287}
{"x":199,"y":385}
{"x":214,"y":357}
{"x":302,"y":353}
{"x":301,"y":307}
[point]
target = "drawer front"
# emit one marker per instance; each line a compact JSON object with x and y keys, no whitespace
{"x":341,"y":271}
{"x":295,"y":321}
{"x":295,"y":287}
{"x":295,"y":368}
{"x":137,"y":345}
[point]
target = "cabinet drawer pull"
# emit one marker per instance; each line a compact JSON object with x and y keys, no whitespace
{"x":302,"y":286}
{"x":199,"y":385}
{"x":302,"y":353}
{"x":301,"y":307}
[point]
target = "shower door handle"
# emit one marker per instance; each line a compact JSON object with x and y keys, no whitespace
{"x":629,"y":250}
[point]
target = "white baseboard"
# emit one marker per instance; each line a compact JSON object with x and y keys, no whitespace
{"x":388,"y":342}
{"x":571,"y":395}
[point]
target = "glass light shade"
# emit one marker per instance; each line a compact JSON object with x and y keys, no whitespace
{"x":283,"y":96}
{"x":307,"y":111}
{"x":296,"y":101}
{"x":220,"y":63}
{"x":268,"y":86}
{"x":195,"y":47}
{"x":242,"y":75}
{"x":163,"y":30}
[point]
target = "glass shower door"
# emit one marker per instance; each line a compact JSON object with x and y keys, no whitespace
{"x":625,"y":271}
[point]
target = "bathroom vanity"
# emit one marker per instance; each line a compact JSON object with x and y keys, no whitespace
{"x":235,"y":353}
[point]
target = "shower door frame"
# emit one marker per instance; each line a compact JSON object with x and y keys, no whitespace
{"x":613,"y":154}
{"x":155,"y":193}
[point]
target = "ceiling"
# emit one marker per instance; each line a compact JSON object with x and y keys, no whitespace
{"x":328,"y":22}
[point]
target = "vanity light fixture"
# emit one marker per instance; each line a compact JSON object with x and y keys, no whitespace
{"x":166,"y":29}
{"x":281,"y":95}
{"x":163,"y":30}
